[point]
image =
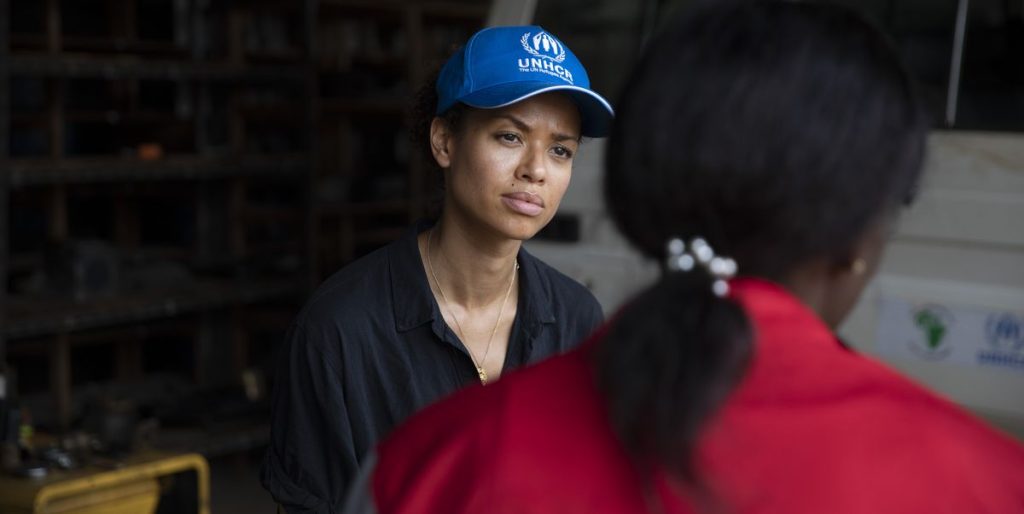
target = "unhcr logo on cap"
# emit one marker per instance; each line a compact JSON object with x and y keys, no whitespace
{"x":543,"y":45}
{"x":549,"y":54}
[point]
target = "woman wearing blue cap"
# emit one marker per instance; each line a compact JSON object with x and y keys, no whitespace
{"x":773,"y":139}
{"x":455,"y":301}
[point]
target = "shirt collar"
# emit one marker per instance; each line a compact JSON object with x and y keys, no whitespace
{"x":793,"y":347}
{"x":779,"y":318}
{"x":414,"y":304}
{"x":764,"y":301}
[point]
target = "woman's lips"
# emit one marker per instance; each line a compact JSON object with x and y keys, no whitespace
{"x":528,"y":204}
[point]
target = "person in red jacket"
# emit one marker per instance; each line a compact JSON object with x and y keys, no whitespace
{"x":762,"y":152}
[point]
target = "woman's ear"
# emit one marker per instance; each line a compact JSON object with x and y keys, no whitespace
{"x":440,"y":142}
{"x":847,"y":274}
{"x":863,"y":256}
{"x":851,"y":263}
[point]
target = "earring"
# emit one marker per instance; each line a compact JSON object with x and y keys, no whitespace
{"x":859,"y":266}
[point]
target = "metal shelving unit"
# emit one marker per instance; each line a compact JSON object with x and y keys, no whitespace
{"x":51,"y":315}
{"x":257,"y":145}
{"x":230,"y":151}
{"x":85,"y":170}
{"x":114,"y":67}
{"x":5,"y":180}
{"x":373,"y":56}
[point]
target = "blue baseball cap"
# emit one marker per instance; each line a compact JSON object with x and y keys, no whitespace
{"x":500,"y":66}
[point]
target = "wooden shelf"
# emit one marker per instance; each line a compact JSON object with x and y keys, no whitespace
{"x":24,"y":261}
{"x":30,"y":119}
{"x":470,"y":10}
{"x":270,"y":111}
{"x":395,"y":65}
{"x":273,"y":213}
{"x":392,"y":58}
{"x":115,"y":116}
{"x":121,"y":45}
{"x":247,"y":98}
{"x":258,"y":250}
{"x":456,"y":10}
{"x":270,"y":5}
{"x":379,"y":235}
{"x":27,"y":261}
{"x":234,"y":165}
{"x":350,"y":106}
{"x":121,"y":66}
{"x":24,"y":172}
{"x":280,"y":57}
{"x":20,"y":41}
{"x":363,"y":209}
{"x":70,"y":43}
{"x":46,"y":315}
{"x":384,"y":7}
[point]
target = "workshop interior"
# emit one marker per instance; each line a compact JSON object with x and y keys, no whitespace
{"x":178,"y":176}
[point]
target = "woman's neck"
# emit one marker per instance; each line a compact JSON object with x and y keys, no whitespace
{"x":474,"y":270}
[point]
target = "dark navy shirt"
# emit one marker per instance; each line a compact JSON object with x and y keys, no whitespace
{"x":371,"y":347}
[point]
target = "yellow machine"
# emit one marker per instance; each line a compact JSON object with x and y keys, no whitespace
{"x":131,"y":488}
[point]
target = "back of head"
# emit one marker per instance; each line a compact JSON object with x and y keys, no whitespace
{"x":776,"y":131}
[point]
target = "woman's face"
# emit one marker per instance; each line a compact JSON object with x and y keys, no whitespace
{"x":507,"y":169}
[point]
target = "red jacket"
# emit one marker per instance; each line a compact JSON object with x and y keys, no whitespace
{"x":813,"y":428}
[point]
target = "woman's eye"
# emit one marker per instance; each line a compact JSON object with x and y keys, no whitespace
{"x":562,"y":151}
{"x":509,"y":137}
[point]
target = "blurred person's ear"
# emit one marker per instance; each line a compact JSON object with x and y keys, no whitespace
{"x":831,"y":286}
{"x":851,"y":271}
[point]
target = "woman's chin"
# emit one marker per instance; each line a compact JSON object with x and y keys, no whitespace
{"x":515,"y":227}
{"x":524,"y":230}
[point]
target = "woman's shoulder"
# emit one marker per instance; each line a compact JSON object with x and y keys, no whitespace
{"x":362,"y":293}
{"x":355,"y":285}
{"x":949,"y":434}
{"x":959,"y":460}
{"x":902,"y":428}
{"x":899,"y":393}
{"x":891,"y":398}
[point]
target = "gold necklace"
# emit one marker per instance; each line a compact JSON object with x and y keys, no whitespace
{"x":480,"y":371}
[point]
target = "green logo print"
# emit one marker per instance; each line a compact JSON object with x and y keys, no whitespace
{"x":933,"y":326}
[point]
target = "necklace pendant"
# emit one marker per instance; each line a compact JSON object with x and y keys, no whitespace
{"x":482,"y":374}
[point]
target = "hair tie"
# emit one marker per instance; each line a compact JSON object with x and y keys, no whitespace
{"x":683,"y":258}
